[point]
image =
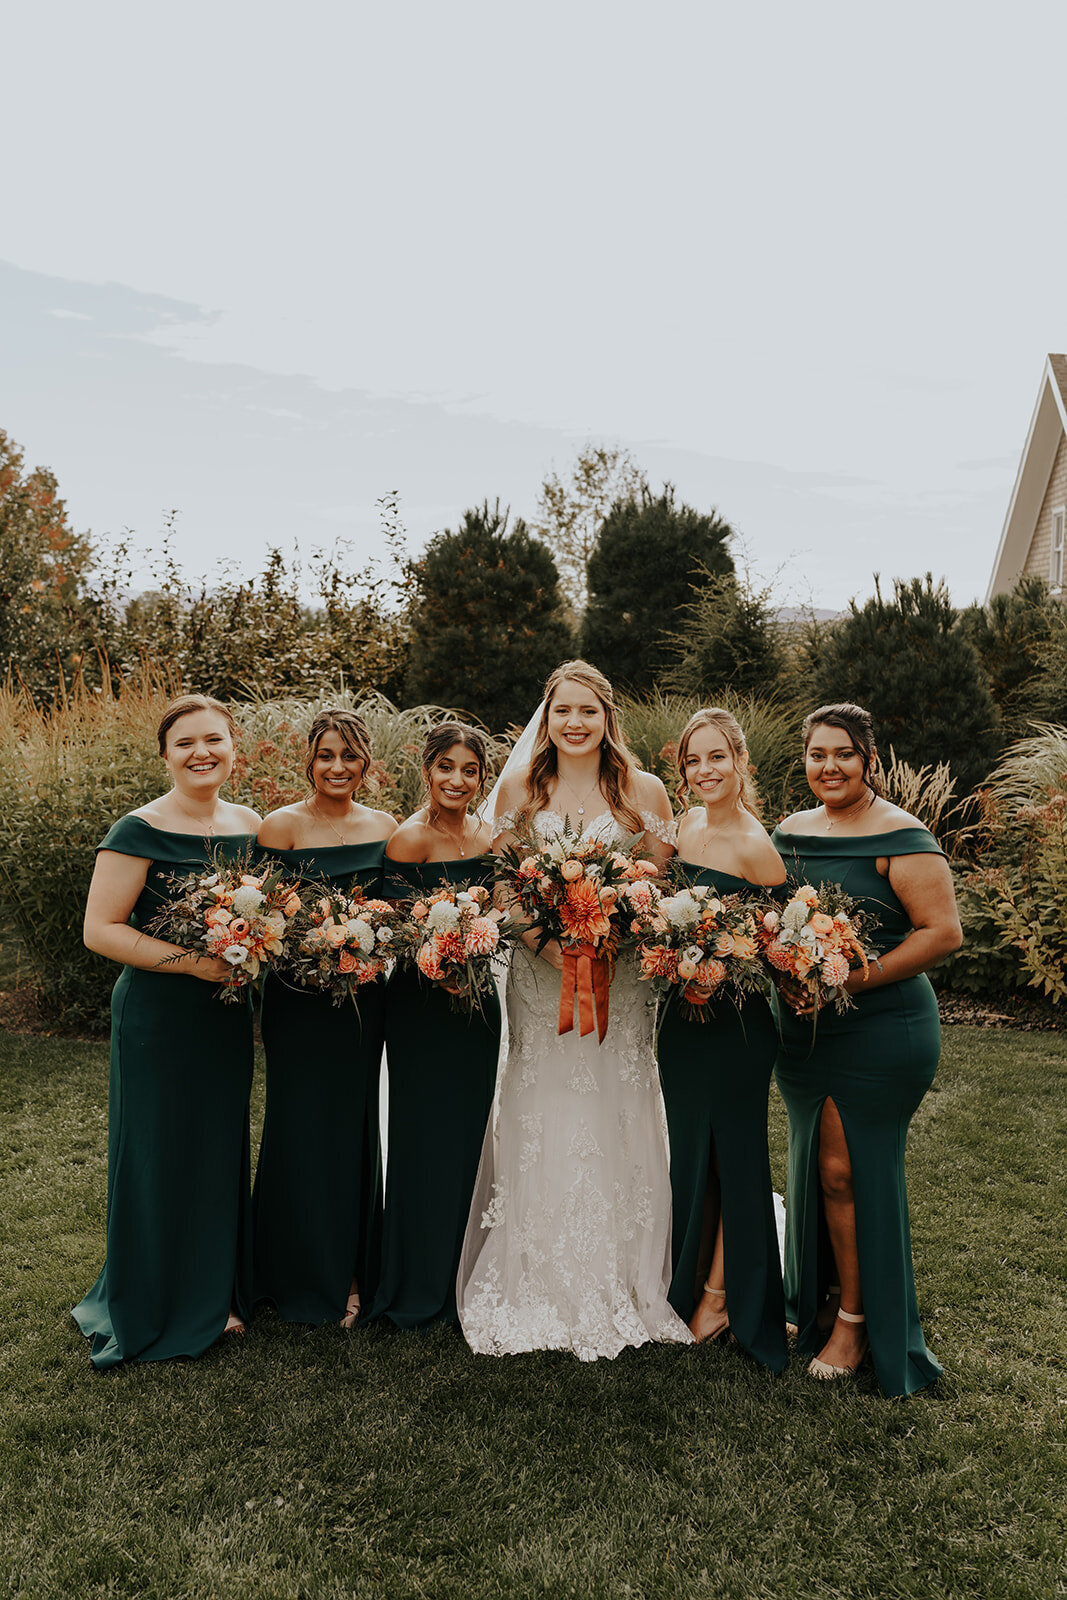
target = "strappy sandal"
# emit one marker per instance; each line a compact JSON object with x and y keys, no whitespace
{"x":825,"y":1369}
{"x":712,"y":1338}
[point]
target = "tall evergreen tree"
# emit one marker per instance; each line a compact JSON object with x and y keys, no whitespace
{"x":487,"y":623}
{"x":906,"y":660}
{"x":729,"y":636}
{"x":649,"y":555}
{"x":1015,"y":636}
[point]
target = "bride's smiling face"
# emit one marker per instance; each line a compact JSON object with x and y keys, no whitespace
{"x":577,"y":720}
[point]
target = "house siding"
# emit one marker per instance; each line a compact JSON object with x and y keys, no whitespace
{"x":1040,"y":552}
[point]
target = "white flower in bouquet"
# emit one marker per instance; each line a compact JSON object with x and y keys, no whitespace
{"x":246,"y":900}
{"x":362,"y":932}
{"x":693,"y":953}
{"x":385,"y":935}
{"x":681,"y":910}
{"x":443,"y":916}
{"x":235,"y":955}
{"x":465,"y":900}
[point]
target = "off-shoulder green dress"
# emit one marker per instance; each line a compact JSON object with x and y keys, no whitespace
{"x":875,"y":1062}
{"x":317,"y":1202}
{"x":716,"y":1077}
{"x":178,"y":1223}
{"x":442,"y":1073}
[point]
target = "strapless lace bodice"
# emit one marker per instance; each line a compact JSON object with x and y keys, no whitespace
{"x":606,"y":828}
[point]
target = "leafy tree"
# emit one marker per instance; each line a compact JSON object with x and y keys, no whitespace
{"x":1016,"y":637}
{"x":648,"y":558}
{"x":571,"y":513}
{"x":729,"y":637}
{"x":44,"y":616}
{"x":911,"y":666}
{"x":487,"y":623}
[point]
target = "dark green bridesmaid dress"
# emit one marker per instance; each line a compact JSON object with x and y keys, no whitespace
{"x":716,"y":1077}
{"x":442,"y":1073}
{"x":875,"y":1063}
{"x":317,"y":1201}
{"x":178,"y":1223}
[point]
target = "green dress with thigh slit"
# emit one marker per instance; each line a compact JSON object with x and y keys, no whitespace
{"x":178,"y":1236}
{"x":875,"y":1062}
{"x":716,"y":1076}
{"x":442,"y":1072}
{"x":317,"y":1201}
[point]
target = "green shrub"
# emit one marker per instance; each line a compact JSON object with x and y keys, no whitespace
{"x":984,"y":967}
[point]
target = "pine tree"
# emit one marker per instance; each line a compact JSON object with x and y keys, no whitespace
{"x":487,"y":623}
{"x":649,"y":555}
{"x":906,"y":660}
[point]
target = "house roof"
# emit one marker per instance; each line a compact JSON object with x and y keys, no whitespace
{"x":1047,"y":427}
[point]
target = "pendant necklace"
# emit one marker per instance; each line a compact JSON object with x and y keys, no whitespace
{"x":849,"y":812}
{"x":207,"y":831}
{"x":433,"y":815}
{"x":320,"y":818}
{"x":581,"y":798}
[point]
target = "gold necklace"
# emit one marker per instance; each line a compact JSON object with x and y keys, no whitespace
{"x":208,"y":831}
{"x":320,"y":818}
{"x":857,"y":809}
{"x":433,"y":816}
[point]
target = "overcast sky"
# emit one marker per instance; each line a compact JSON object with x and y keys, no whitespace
{"x":263,"y":263}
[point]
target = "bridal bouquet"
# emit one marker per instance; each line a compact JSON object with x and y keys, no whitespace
{"x":815,"y":939}
{"x":340,"y":942}
{"x":568,"y":888}
{"x":693,"y":941}
{"x":455,"y":937}
{"x":230,"y":911}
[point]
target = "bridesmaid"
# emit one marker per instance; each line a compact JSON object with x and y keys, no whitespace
{"x":852,"y":1090}
{"x":716,"y":1073}
{"x":318,"y":1194}
{"x":442,"y":1064}
{"x":177,"y":1272}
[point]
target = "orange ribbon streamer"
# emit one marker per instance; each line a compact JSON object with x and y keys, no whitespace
{"x":586,"y":975}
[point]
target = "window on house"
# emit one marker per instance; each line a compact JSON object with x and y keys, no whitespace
{"x":1059,"y":519}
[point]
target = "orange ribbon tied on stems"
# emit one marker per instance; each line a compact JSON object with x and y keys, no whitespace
{"x":586,"y":975}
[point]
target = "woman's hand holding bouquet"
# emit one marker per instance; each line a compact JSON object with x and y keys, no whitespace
{"x":813,"y":943}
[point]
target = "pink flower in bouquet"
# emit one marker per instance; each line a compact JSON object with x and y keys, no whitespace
{"x":725,"y":944}
{"x":645,"y":869}
{"x":238,"y":927}
{"x":778,"y":956}
{"x":771,"y":921}
{"x":428,"y":961}
{"x":420,"y":911}
{"x":835,"y":969}
{"x":450,"y":945}
{"x":528,"y":867}
{"x":250,"y":882}
{"x":335,"y":935}
{"x":640,"y":896}
{"x":292,"y":905}
{"x":710,"y":974}
{"x":821,"y":924}
{"x":572,"y":870}
{"x":653,"y":961}
{"x":483,"y":936}
{"x":807,"y":894}
{"x":346,"y":961}
{"x":686,"y":969}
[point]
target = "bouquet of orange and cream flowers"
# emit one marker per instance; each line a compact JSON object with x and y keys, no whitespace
{"x":568,"y":888}
{"x":243,"y":915}
{"x":340,"y":942}
{"x":692,"y":941}
{"x":457,"y":938}
{"x":815,"y":939}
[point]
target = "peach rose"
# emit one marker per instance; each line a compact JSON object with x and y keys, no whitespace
{"x":346,"y":962}
{"x":335,"y":936}
{"x":292,"y":905}
{"x":807,"y":894}
{"x":420,"y":911}
{"x":821,"y":923}
{"x":725,"y":945}
{"x":571,"y":870}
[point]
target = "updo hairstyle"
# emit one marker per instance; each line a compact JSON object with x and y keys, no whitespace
{"x":182,"y":707}
{"x":442,"y":738}
{"x":857,"y":723}
{"x":355,"y":736}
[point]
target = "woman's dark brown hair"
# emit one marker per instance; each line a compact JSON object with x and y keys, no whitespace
{"x":857,"y":723}
{"x":355,"y":736}
{"x":442,"y":738}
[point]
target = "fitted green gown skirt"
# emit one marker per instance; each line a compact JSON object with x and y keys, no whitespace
{"x":442,"y":1073}
{"x":716,"y":1077}
{"x":317,"y":1201}
{"x":875,"y":1063}
{"x":178,"y":1221}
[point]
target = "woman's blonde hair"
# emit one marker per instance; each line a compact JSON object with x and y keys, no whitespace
{"x":355,"y":736}
{"x":733,"y":733}
{"x":182,"y":707}
{"x":617,"y":765}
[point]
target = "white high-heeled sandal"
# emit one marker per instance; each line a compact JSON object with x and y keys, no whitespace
{"x":825,"y":1369}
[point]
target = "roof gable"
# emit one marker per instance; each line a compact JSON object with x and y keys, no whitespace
{"x":1047,"y":427}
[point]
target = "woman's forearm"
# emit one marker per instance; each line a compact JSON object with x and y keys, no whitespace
{"x":132,"y":948}
{"x":917,"y":953}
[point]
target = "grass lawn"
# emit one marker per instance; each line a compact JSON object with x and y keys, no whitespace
{"x":320,"y":1464}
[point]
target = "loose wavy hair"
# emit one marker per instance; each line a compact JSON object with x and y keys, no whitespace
{"x":732,"y":732}
{"x":355,"y":737}
{"x":859,"y":725}
{"x":617,"y":765}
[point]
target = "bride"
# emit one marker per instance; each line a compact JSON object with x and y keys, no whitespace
{"x":568,"y":1241}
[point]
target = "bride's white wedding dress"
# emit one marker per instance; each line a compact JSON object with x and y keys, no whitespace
{"x":568,"y":1241}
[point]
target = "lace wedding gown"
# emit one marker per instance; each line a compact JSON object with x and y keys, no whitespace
{"x":568,"y":1242}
